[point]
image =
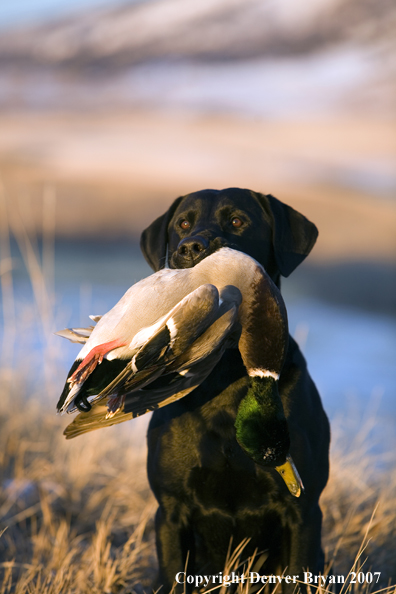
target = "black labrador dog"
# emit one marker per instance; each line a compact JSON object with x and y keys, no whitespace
{"x":209,"y":492}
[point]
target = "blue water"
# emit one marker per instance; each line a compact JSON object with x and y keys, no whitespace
{"x":350,"y":353}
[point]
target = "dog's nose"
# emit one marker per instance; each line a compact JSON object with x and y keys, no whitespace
{"x":191,"y":248}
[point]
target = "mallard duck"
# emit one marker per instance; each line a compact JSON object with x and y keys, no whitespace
{"x":164,"y":337}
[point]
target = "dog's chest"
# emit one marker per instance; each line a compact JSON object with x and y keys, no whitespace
{"x":198,"y":458}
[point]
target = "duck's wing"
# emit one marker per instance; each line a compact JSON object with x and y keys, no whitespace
{"x":189,"y":370}
{"x":200,"y":325}
{"x":184,"y":374}
{"x":179,"y":329}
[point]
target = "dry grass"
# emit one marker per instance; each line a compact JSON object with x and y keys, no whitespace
{"x":78,"y":516}
{"x":358,"y":503}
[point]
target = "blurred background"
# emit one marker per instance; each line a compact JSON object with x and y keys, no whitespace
{"x":110,"y":110}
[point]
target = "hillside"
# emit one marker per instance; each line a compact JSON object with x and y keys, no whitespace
{"x":132,"y":33}
{"x":234,"y":55}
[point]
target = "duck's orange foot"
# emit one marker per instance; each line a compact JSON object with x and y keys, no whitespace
{"x":92,"y":360}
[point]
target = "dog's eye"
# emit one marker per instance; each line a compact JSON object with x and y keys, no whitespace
{"x":185,"y":225}
{"x":236,"y":222}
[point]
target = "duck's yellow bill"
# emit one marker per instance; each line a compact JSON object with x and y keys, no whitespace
{"x":289,"y":473}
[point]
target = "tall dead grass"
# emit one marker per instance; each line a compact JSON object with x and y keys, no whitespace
{"x":77,"y":517}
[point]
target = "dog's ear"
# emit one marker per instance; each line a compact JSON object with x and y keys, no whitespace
{"x":154,"y":239}
{"x":293,"y":235}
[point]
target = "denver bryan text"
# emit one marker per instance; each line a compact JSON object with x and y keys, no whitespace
{"x":255,"y":578}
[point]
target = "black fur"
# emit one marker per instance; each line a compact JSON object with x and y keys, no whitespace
{"x":208,"y":490}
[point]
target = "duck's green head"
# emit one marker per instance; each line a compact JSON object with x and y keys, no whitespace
{"x":262,"y":432}
{"x":261,"y":426}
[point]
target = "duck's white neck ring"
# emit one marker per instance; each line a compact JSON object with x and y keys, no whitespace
{"x":263,"y":373}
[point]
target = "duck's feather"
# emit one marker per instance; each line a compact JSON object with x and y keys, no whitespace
{"x":95,"y":318}
{"x":79,"y":335}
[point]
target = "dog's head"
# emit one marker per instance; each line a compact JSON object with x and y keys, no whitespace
{"x":259,"y":225}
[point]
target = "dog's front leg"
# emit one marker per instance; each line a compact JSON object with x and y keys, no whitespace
{"x":305,"y":550}
{"x":175,"y":549}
